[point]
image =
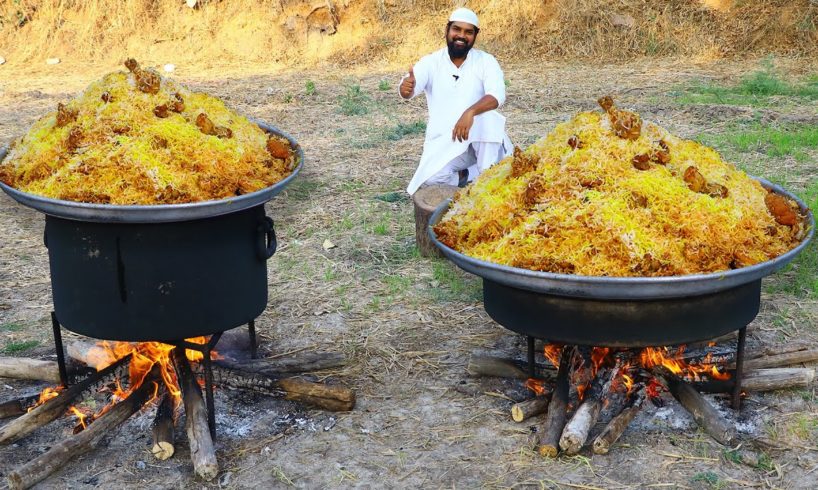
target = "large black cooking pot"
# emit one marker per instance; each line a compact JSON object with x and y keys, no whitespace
{"x":164,"y":272}
{"x":622,"y":311}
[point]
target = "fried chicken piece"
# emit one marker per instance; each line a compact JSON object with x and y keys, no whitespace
{"x":65,"y":115}
{"x":781,"y":208}
{"x":522,"y":163}
{"x":205,"y":125}
{"x":638,"y":200}
{"x":661,"y":156}
{"x":177,"y":105}
{"x":695,"y":180}
{"x":147,"y":80}
{"x":590,"y":183}
{"x":715,"y":190}
{"x":574,"y":142}
{"x":625,"y":124}
{"x":224,"y":132}
{"x":277,"y":148}
{"x":641,"y":162}
{"x":161,"y":111}
{"x":106,"y":97}
{"x":74,"y":139}
{"x":533,"y":191}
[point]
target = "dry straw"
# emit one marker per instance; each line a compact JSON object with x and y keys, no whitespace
{"x":304,"y":33}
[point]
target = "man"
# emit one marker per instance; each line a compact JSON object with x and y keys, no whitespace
{"x":463,"y":87}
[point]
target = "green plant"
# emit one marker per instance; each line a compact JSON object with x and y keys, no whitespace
{"x":288,"y":98}
{"x":11,"y":327}
{"x":354,"y":102}
{"x":310,"y":88}
{"x":393,"y":197}
{"x":710,"y":478}
{"x":398,"y":132}
{"x":384,"y":85}
{"x":13,"y":347}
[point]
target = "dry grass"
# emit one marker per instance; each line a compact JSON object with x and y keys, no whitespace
{"x":388,"y":32}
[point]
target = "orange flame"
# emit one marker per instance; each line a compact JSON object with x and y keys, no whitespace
{"x":553,"y":352}
{"x":651,"y":357}
{"x":536,"y":385}
{"x":144,"y":356}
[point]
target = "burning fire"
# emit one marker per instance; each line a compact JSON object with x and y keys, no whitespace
{"x":144,"y":356}
{"x":630,"y":373}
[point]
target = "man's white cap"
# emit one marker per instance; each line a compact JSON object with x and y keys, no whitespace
{"x":464,"y":15}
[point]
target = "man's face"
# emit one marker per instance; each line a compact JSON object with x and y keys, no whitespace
{"x":460,"y":39}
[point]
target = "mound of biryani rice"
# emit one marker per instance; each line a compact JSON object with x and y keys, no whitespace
{"x":605,"y":194}
{"x":135,"y":137}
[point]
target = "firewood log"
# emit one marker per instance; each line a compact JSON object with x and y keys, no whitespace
{"x":760,"y":380}
{"x":17,"y":406}
{"x":301,"y":363}
{"x":25,"y":368}
{"x":577,"y":429}
{"x":55,"y":458}
{"x":529,"y":408}
{"x":603,"y":442}
{"x":705,"y":414}
{"x":551,"y":430}
{"x":162,"y":428}
{"x":779,"y":360}
{"x":202,"y":451}
{"x":499,"y":367}
{"x":55,"y":407}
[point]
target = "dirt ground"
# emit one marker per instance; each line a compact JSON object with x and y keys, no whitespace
{"x":407,"y":324}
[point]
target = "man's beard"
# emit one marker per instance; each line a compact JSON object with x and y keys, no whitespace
{"x":458,"y":51}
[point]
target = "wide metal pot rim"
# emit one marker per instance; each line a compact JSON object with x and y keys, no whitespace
{"x":622,"y":288}
{"x":157,"y":213}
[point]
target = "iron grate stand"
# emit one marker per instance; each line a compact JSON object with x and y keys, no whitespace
{"x":205,"y":349}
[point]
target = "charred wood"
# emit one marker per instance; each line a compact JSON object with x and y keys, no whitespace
{"x":577,"y":429}
{"x":551,"y":429}
{"x":275,"y":367}
{"x":18,"y":406}
{"x":55,"y":407}
{"x":616,"y":427}
{"x":47,"y":463}
{"x":705,"y":414}
{"x":202,"y":450}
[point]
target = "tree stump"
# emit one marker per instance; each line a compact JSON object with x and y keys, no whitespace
{"x":426,"y":200}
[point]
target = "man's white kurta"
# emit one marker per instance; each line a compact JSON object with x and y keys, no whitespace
{"x":449,"y":92}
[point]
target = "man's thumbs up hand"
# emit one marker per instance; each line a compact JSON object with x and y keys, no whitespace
{"x":407,"y":86}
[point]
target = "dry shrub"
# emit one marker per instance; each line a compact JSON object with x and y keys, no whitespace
{"x":371,"y":32}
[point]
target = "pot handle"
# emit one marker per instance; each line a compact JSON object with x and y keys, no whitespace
{"x":267,"y":245}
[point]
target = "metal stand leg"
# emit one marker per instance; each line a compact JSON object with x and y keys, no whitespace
{"x":59,"y":348}
{"x":531,"y":366}
{"x":251,"y":329}
{"x":211,"y":409}
{"x":742,"y":337}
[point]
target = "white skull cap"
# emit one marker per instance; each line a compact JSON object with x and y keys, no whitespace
{"x":464,"y":15}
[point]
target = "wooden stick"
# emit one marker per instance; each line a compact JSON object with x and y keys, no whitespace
{"x":705,"y":414}
{"x":577,"y":429}
{"x":301,"y":363}
{"x":603,"y":442}
{"x":779,"y":360}
{"x":529,"y":408}
{"x":18,"y":406}
{"x":55,"y":458}
{"x":25,"y":368}
{"x":162,"y":429}
{"x":551,"y":429}
{"x":55,"y":407}
{"x":480,"y":366}
{"x":762,"y":380}
{"x":326,"y":397}
{"x":202,"y":451}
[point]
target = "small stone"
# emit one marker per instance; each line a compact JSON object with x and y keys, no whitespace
{"x":2,"y":60}
{"x":140,"y":465}
{"x":434,"y":284}
{"x":170,"y":68}
{"x":328,"y":244}
{"x":191,"y":3}
{"x":625,"y":21}
{"x":52,"y":61}
{"x":225,"y":479}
